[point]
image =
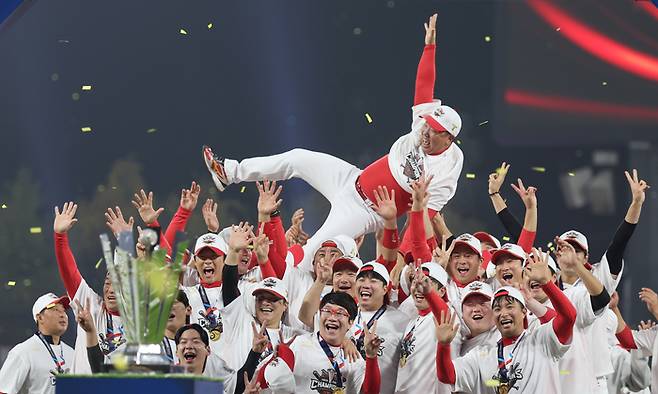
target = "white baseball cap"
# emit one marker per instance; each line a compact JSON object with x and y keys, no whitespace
{"x":509,"y":291}
{"x":436,"y":272}
{"x":486,"y":237}
{"x":576,"y":237}
{"x":48,"y":300}
{"x":509,"y":249}
{"x":378,"y":269}
{"x":274,"y":286}
{"x":477,"y":287}
{"x":212,"y":241}
{"x":470,"y":241}
{"x":444,"y":118}
{"x":347,"y":262}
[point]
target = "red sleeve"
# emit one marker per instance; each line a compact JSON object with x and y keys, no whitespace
{"x":388,"y":264}
{"x":431,"y":243}
{"x":297,"y":253}
{"x":178,"y":223}
{"x":372,"y":379}
{"x":445,"y":369}
{"x":68,"y":268}
{"x":425,"y":76}
{"x":266,"y":270}
{"x":390,"y":238}
{"x":548,"y":316}
{"x":436,"y":304}
{"x":419,"y":248}
{"x":526,"y":240}
{"x":275,"y":231}
{"x":625,"y":338}
{"x":566,"y":313}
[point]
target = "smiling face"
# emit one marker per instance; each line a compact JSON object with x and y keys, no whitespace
{"x":243,"y":263}
{"x":53,"y":320}
{"x":536,"y":290}
{"x":209,"y":265}
{"x":419,"y":298}
{"x":345,"y":282}
{"x":370,"y":291}
{"x":432,"y":142}
{"x":334,"y":323}
{"x":509,"y":270}
{"x":269,"y":307}
{"x":178,"y":316}
{"x":508,"y":315}
{"x":327,"y":253}
{"x":477,"y":314}
{"x":464,"y":264}
{"x":109,"y":297}
{"x":192,"y":351}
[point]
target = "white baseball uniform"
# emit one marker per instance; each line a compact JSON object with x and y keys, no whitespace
{"x":646,"y":342}
{"x":211,"y":317}
{"x":632,"y":372}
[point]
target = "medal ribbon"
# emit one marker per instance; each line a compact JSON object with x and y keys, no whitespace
{"x":167,"y":349}
{"x":360,"y":333}
{"x":207,"y":307}
{"x":502,"y":364}
{"x":332,"y":360}
{"x":58,"y":363}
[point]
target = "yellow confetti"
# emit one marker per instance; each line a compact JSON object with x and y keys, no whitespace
{"x":492,"y":383}
{"x":120,"y":362}
{"x":483,"y":123}
{"x":539,"y":169}
{"x":571,"y":174}
{"x":243,"y":189}
{"x":11,"y":283}
{"x":209,"y":26}
{"x":114,"y":188}
{"x":506,"y":238}
{"x":565,"y":372}
{"x":470,"y":175}
{"x":549,"y":244}
{"x":459,"y":142}
{"x":98,"y":263}
{"x":35,"y":230}
{"x":86,"y":129}
{"x":487,"y":38}
{"x":183,"y":32}
{"x":604,"y":83}
{"x":86,"y":87}
{"x":368,"y":118}
{"x":151,"y":130}
{"x":4,"y":206}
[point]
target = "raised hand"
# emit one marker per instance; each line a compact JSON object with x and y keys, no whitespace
{"x":261,"y":247}
{"x":422,"y":282}
{"x":116,"y":223}
{"x":350,"y":351}
{"x":614,"y":300}
{"x":567,"y":254}
{"x":209,"y":212}
{"x":251,"y":386}
{"x":144,"y":205}
{"x":637,"y":186}
{"x":241,"y":236}
{"x":66,"y":219}
{"x":420,"y":196}
{"x":650,"y":298}
{"x":385,"y":203}
{"x":528,"y":195}
{"x":371,"y":341}
{"x":441,"y":254}
{"x":325,"y":270}
{"x":298,"y":218}
{"x":190,"y":197}
{"x":261,"y":340}
{"x":430,"y":30}
{"x":268,"y":197}
{"x":646,"y":325}
{"x":446,"y":329}
{"x":537,"y":267}
{"x":83,"y":317}
{"x":497,"y":178}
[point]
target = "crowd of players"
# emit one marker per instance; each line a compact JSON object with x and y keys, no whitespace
{"x":267,"y":308}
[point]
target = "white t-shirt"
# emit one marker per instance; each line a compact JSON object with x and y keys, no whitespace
{"x":212,"y":322}
{"x":297,"y":282}
{"x":632,"y":372}
{"x":646,"y":342}
{"x":216,"y":367}
{"x":313,"y":372}
{"x":533,"y":367}
{"x":408,"y":162}
{"x":488,"y":338}
{"x":28,"y":365}
{"x":389,"y":326}
{"x":109,"y":328}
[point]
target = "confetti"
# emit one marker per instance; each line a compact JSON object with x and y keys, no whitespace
{"x":487,"y":38}
{"x":151,"y":130}
{"x":483,"y":123}
{"x":470,"y":175}
{"x":539,"y":169}
{"x":114,"y":188}
{"x":11,"y":283}
{"x":506,"y":238}
{"x":4,"y":206}
{"x":459,"y":142}
{"x":35,"y":230}
{"x":86,"y":129}
{"x":86,"y":87}
{"x":243,"y":189}
{"x":98,"y":263}
{"x":209,"y":26}
{"x":368,"y":118}
{"x":183,"y":32}
{"x":571,"y":174}
{"x":549,"y":244}
{"x":565,"y":372}
{"x":604,"y":83}
{"x":492,"y":383}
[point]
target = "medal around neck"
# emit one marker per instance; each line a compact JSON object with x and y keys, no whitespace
{"x":146,"y":288}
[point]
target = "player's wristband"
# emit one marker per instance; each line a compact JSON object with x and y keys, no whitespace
{"x":390,"y":239}
{"x":275,"y":213}
{"x":493,"y":194}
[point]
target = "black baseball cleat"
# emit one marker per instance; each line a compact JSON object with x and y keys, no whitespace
{"x":216,"y":167}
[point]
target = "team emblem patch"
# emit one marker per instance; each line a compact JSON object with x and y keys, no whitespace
{"x":325,"y":381}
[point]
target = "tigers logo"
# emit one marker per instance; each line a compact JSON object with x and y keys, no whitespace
{"x":475,"y":286}
{"x":325,"y":381}
{"x":208,"y":239}
{"x":269,"y":283}
{"x":110,"y":343}
{"x":212,"y":323}
{"x":406,"y":348}
{"x":514,"y":374}
{"x":413,"y":167}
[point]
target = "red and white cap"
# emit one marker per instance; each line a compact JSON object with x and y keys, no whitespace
{"x":436,"y":272}
{"x":508,"y":249}
{"x":486,"y":237}
{"x":212,"y":241}
{"x":477,"y":287}
{"x":470,"y":241}
{"x":377,"y":268}
{"x":509,"y":291}
{"x":573,"y":236}
{"x":274,"y":286}
{"x":444,"y":118}
{"x":346,"y":262}
{"x":48,"y":301}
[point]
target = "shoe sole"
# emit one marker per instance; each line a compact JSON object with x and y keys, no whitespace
{"x":215,"y":169}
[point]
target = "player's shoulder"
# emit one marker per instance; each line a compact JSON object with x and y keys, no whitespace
{"x":397,"y":318}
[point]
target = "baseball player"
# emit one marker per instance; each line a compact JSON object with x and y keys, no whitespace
{"x":478,"y":317}
{"x":427,"y":150}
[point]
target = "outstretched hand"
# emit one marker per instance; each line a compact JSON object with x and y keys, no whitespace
{"x":441,"y":254}
{"x":420,"y":194}
{"x":241,"y":236}
{"x":209,"y":212}
{"x":430,"y":30}
{"x":144,"y":205}
{"x":528,"y":195}
{"x":537,"y":267}
{"x":637,"y":186}
{"x":65,"y":220}
{"x":116,"y":223}
{"x":385,"y":203}
{"x":268,"y":197}
{"x":190,"y":197}
{"x":496,"y":179}
{"x":446,"y":327}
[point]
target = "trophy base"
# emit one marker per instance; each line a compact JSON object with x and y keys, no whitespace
{"x":136,"y":358}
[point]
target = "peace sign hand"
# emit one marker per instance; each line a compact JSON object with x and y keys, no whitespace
{"x":261,"y":340}
{"x":371,"y":341}
{"x":441,"y":255}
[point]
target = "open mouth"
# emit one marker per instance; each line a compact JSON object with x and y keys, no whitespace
{"x":463,"y":270}
{"x":506,"y":323}
{"x":111,"y":298}
{"x":477,"y":316}
{"x":419,"y":297}
{"x":331,"y":327}
{"x":344,"y":288}
{"x":172,"y":316}
{"x":208,"y":272}
{"x":266,"y":309}
{"x":507,"y":276}
{"x":365,"y":294}
{"x":534,"y":285}
{"x":189,"y":356}
{"x":245,"y":259}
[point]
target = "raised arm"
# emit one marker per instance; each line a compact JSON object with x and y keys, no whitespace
{"x":528,"y":195}
{"x":509,"y":222}
{"x":68,"y":268}
{"x":311,"y":303}
{"x":188,"y":200}
{"x":239,"y":239}
{"x":420,"y":197}
{"x":426,"y":74}
{"x":390,"y":242}
{"x":144,"y":204}
{"x":269,"y":220}
{"x":599,"y":296}
{"x":446,"y":329}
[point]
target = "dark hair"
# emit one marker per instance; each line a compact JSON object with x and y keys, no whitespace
{"x":341,"y":299}
{"x":507,"y":298}
{"x":182,"y":298}
{"x":372,"y":274}
{"x":202,"y":333}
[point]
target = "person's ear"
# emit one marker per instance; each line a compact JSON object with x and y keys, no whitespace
{"x":442,"y":292}
{"x":188,"y":311}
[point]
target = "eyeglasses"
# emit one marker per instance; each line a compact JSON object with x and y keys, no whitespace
{"x":335,"y":312}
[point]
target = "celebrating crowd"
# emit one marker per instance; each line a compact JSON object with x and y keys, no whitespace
{"x":270,"y":309}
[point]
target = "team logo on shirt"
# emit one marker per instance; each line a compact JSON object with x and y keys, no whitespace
{"x":325,"y":381}
{"x":413,"y":167}
{"x":108,"y":343}
{"x":514,"y":375}
{"x":407,"y":347}
{"x":212,"y":323}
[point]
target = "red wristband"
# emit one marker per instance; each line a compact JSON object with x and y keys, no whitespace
{"x":390,"y":239}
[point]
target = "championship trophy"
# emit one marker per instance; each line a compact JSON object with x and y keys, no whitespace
{"x":146,"y":287}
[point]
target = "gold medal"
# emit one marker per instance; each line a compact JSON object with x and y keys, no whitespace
{"x":503,"y":388}
{"x":214,"y":335}
{"x":339,"y":390}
